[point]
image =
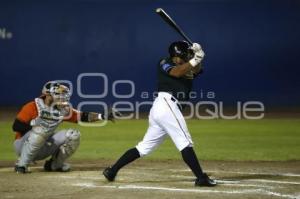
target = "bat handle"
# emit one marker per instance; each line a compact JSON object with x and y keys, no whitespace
{"x":187,"y":39}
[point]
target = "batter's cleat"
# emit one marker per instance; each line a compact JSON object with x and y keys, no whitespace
{"x":48,"y":167}
{"x":21,"y":169}
{"x":109,"y":174}
{"x":205,"y":181}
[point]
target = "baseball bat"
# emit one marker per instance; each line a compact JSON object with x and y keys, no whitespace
{"x":173,"y":24}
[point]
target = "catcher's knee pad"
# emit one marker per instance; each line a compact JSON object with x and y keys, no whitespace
{"x":72,"y":134}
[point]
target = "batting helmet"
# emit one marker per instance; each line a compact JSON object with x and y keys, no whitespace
{"x":181,"y":49}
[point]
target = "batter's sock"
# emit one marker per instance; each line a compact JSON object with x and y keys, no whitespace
{"x":190,"y":158}
{"x":126,"y":158}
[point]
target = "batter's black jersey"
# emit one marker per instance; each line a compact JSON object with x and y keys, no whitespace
{"x":180,"y":88}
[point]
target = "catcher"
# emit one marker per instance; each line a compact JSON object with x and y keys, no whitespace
{"x":35,"y":127}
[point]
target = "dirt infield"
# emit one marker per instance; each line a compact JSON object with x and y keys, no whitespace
{"x":155,"y":179}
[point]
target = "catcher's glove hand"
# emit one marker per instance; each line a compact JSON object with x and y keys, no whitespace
{"x":111,"y":114}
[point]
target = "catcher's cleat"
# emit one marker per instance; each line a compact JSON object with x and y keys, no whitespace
{"x":21,"y":169}
{"x":48,"y":167}
{"x":109,"y":174}
{"x":205,"y":181}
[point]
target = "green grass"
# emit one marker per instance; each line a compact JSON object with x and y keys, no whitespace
{"x":267,"y":139}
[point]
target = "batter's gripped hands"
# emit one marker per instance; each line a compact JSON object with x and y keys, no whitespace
{"x":198,"y":57}
{"x":200,"y":54}
{"x":196,"y":47}
{"x":112,"y":114}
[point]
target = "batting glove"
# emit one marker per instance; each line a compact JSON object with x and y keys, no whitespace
{"x":198,"y":57}
{"x":196,"y":47}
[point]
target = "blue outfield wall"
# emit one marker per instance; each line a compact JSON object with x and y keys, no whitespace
{"x":252,"y":47}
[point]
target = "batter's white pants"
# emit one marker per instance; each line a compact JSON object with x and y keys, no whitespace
{"x":165,"y":118}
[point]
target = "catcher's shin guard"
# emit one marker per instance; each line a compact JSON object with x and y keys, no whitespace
{"x":56,"y":163}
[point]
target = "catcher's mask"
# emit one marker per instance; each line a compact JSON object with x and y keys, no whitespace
{"x":181,"y":49}
{"x":59,"y":92}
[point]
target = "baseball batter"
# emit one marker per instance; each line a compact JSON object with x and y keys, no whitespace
{"x":175,"y":76}
{"x":35,"y":128}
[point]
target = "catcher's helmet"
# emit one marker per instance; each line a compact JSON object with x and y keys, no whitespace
{"x":181,"y":49}
{"x":57,"y":91}
{"x":49,"y":87}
